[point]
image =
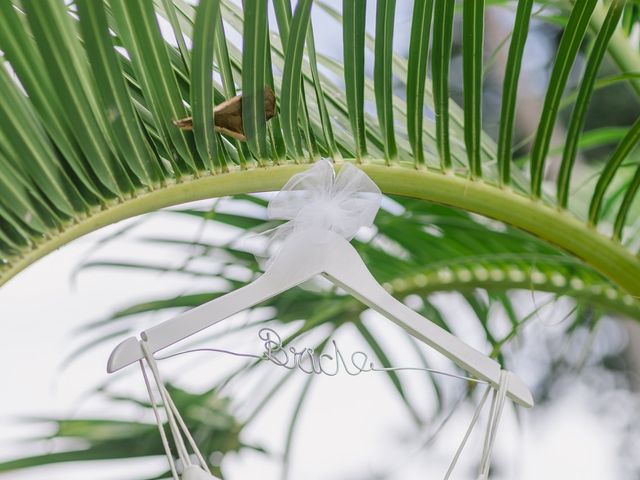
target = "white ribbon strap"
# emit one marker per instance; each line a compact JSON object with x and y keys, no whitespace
{"x":497,"y":404}
{"x":177,"y":426}
{"x":495,"y":415}
{"x":173,"y":427}
{"x":474,"y":420}
{"x":163,"y":434}
{"x":320,"y":198}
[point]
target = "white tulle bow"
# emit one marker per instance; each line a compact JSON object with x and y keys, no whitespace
{"x":322,"y":199}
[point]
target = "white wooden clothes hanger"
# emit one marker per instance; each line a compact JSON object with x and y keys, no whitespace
{"x":317,"y":243}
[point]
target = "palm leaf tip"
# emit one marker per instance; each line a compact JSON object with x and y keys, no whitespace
{"x":228,"y":115}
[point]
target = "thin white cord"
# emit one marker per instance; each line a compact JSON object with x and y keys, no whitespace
{"x":497,"y":406}
{"x":495,"y":413}
{"x":163,"y":434}
{"x":487,"y":433}
{"x":186,"y":432}
{"x":474,"y":420}
{"x":175,"y":431}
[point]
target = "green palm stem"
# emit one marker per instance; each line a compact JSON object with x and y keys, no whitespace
{"x":557,"y":227}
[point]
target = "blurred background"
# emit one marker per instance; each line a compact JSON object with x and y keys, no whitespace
{"x":580,"y":355}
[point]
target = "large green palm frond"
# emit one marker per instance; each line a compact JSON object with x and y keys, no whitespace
{"x":90,"y":93}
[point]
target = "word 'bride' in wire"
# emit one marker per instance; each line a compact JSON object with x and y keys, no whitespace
{"x":308,"y":361}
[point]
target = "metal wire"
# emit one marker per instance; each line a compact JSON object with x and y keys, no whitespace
{"x":310,"y":363}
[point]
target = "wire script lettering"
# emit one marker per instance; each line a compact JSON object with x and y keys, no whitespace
{"x":309,"y":362}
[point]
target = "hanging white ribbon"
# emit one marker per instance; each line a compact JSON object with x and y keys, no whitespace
{"x":177,"y":427}
{"x":319,"y":198}
{"x":497,"y":404}
{"x":495,"y":414}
